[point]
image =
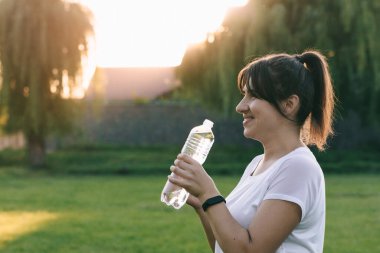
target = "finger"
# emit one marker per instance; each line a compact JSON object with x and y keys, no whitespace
{"x":176,"y":180}
{"x":186,"y":158}
{"x":182,"y":164}
{"x":179,"y":172}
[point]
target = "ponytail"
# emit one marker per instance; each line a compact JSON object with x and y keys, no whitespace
{"x":318,"y":126}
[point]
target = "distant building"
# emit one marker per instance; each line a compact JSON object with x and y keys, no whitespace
{"x":12,"y":141}
{"x":135,"y":83}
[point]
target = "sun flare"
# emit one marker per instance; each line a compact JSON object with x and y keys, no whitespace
{"x":150,"y":32}
{"x":15,"y":224}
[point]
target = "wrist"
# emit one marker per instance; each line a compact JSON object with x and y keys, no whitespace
{"x":207,"y":195}
{"x":198,"y":210}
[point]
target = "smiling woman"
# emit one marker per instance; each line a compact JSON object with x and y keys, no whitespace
{"x":152,"y":33}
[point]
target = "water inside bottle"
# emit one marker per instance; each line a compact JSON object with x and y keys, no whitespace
{"x":175,"y":198}
{"x":198,"y":145}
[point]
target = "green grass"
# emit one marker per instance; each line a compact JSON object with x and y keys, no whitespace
{"x":353,"y":213}
{"x":124,"y":214}
{"x":100,"y":214}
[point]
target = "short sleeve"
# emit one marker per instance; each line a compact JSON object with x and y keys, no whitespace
{"x":298,"y":180}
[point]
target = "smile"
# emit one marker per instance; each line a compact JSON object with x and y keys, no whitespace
{"x":247,"y":120}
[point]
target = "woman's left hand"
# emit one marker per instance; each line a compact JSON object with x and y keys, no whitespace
{"x":192,"y":176}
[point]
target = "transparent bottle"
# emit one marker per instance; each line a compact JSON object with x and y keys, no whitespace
{"x":197,"y":145}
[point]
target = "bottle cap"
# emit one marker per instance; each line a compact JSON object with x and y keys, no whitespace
{"x":208,"y":123}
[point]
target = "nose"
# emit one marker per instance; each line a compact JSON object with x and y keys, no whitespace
{"x":241,"y":107}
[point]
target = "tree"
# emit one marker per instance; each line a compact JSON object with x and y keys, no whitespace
{"x":348,"y":32}
{"x":208,"y":70}
{"x":42,"y":46}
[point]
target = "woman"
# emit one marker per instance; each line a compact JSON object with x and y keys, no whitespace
{"x":279,"y":203}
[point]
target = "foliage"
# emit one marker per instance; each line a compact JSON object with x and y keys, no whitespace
{"x":42,"y":46}
{"x":124,"y":214}
{"x":347,"y":32}
{"x":122,"y":160}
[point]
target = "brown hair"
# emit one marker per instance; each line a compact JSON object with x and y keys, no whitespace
{"x":276,"y":77}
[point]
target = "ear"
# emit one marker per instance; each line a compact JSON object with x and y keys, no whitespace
{"x":290,"y":106}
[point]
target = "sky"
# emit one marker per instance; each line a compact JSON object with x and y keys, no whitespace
{"x":152,"y":33}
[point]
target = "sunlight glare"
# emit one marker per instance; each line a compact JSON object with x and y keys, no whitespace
{"x":151,"y":32}
{"x":15,"y":224}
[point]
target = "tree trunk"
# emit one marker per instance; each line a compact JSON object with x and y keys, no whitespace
{"x":36,"y":151}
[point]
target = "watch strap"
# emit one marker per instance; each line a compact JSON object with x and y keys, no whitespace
{"x":212,"y":201}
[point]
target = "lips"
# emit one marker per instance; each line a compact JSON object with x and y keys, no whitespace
{"x":247,"y":119}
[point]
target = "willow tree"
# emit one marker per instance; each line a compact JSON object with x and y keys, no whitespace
{"x":42,"y":48}
{"x":208,"y":70}
{"x":348,"y":32}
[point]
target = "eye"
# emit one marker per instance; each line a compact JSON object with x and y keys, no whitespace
{"x":249,"y":95}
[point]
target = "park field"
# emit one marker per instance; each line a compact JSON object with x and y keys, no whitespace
{"x":42,"y":213}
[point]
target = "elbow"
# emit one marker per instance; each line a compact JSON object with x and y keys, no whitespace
{"x":240,"y":249}
{"x":240,"y":246}
{"x":244,"y":246}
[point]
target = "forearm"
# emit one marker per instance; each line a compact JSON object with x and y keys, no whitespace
{"x":207,"y":228}
{"x":231,"y":236}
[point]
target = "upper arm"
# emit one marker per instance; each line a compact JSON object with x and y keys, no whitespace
{"x":272,"y":224}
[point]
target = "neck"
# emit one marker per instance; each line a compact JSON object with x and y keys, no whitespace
{"x":281,"y":143}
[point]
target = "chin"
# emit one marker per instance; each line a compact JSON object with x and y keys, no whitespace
{"x":251,"y":134}
{"x":248,"y":134}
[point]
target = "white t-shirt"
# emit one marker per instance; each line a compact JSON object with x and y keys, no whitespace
{"x":295,"y":177}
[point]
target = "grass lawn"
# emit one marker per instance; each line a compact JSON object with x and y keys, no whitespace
{"x":40,"y":213}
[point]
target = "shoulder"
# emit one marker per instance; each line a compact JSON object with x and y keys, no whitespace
{"x":301,"y":163}
{"x":299,"y":171}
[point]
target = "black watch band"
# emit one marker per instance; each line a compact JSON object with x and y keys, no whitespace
{"x":213,"y":201}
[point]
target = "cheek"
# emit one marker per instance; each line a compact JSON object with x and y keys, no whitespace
{"x":265,"y":114}
{"x":253,"y":107}
{"x":273,"y":119}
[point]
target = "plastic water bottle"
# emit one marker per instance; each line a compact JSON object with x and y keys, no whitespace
{"x":198,"y":145}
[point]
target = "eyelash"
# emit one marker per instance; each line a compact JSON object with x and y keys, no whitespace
{"x":249,"y":95}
